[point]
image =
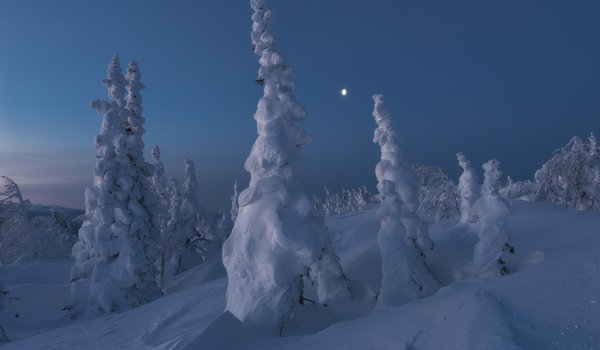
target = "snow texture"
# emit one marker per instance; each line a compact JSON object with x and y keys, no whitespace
{"x":116,"y":251}
{"x":405,"y":274}
{"x":283,"y":276}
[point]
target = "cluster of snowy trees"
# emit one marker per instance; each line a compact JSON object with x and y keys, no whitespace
{"x":349,"y":200}
{"x":140,"y":228}
{"x":572,"y":176}
{"x":28,"y":236}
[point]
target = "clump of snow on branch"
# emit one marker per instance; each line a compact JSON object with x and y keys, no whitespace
{"x":405,"y":273}
{"x":283,"y":276}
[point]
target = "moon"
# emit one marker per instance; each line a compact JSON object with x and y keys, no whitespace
{"x":344,"y":92}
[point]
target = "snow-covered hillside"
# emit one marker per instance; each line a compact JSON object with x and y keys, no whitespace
{"x":551,"y":300}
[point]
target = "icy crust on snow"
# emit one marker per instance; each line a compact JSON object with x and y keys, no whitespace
{"x":114,"y":257}
{"x":283,"y":275}
{"x":402,"y":235}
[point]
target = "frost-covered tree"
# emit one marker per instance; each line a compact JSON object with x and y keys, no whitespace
{"x":161,"y":187}
{"x":170,"y":255}
{"x":16,"y":235}
{"x":234,"y":201}
{"x":189,"y":215}
{"x":437,"y":193}
{"x":405,"y":275}
{"x":3,"y":294}
{"x":116,"y":251}
{"x":468,"y":189}
{"x":570,"y":177}
{"x":492,"y":210}
{"x":282,"y":274}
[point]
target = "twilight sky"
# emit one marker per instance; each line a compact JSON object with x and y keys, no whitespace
{"x":511,"y":80}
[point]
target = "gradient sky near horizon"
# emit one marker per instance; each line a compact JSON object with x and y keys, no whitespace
{"x":511,"y":80}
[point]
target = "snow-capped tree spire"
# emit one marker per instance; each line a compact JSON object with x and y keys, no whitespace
{"x":468,"y":189}
{"x":405,"y":274}
{"x":278,"y":256}
{"x":115,"y":82}
{"x":116,"y":252}
{"x":492,"y":210}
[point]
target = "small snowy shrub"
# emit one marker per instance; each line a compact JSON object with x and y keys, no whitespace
{"x":437,"y":194}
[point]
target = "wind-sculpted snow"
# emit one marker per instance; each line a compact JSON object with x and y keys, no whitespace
{"x":550,"y":301}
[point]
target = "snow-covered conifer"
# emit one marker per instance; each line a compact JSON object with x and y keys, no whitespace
{"x":279,"y":263}
{"x":234,"y":202}
{"x":492,"y":210}
{"x":3,"y":294}
{"x":116,"y":252}
{"x":189,"y":215}
{"x":468,"y":189}
{"x":405,"y":274}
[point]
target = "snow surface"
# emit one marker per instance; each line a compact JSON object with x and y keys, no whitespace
{"x":550,"y":301}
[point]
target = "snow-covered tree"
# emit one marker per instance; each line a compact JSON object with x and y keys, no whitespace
{"x":234,"y":201}
{"x":170,"y":255}
{"x":3,"y":294}
{"x":569,"y":178}
{"x":437,"y":193}
{"x":116,"y":251}
{"x":468,"y":189}
{"x":492,"y":210}
{"x":405,"y":273}
{"x":161,"y":188}
{"x":280,"y":266}
{"x":189,"y":215}
{"x":16,"y":234}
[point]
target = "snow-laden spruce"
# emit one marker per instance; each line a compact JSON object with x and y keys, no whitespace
{"x":233,"y":212}
{"x":468,"y":189}
{"x":402,"y":235}
{"x":492,"y":211}
{"x":116,"y":252}
{"x":283,"y":276}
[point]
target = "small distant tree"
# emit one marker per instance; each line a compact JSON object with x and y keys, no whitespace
{"x":405,"y":273}
{"x":492,"y":210}
{"x":437,"y":194}
{"x":468,"y":189}
{"x":3,"y":294}
{"x":234,"y":201}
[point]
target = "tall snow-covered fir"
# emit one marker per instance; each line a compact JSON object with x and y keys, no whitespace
{"x":405,"y":276}
{"x":279,"y":263}
{"x":116,"y":251}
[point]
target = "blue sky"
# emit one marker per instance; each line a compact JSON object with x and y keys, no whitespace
{"x":511,"y":80}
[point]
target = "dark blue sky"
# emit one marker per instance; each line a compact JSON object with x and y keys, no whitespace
{"x":511,"y":80}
